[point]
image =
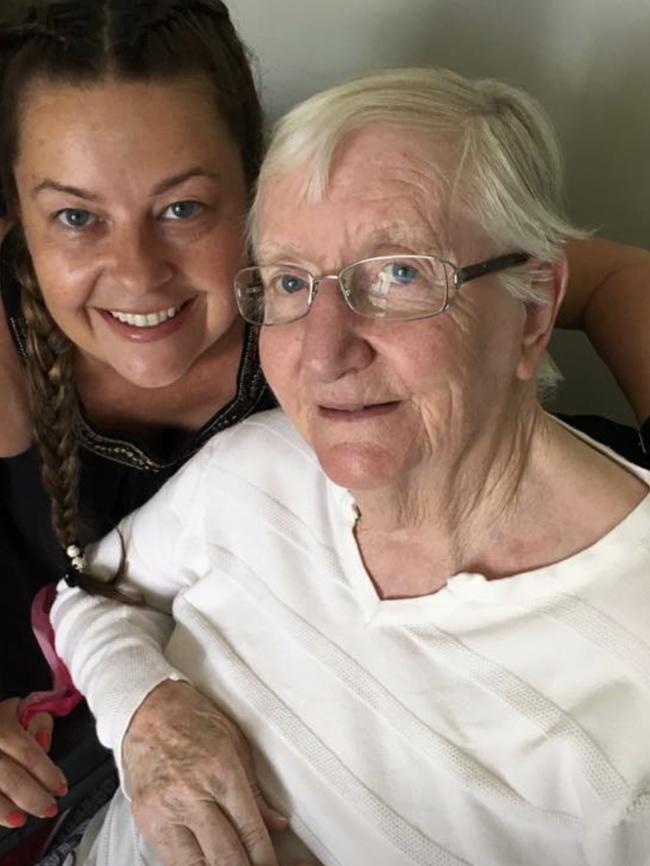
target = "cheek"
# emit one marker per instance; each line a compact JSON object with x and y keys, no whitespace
{"x":424,"y":357}
{"x":65,"y":285}
{"x":441,"y":371}
{"x":211,"y":264}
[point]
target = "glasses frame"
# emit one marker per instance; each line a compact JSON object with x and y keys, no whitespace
{"x":461,"y":274}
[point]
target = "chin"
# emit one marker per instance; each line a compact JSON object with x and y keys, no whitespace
{"x":360,"y":466}
{"x":154,"y":375}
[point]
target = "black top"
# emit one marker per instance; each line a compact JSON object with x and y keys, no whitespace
{"x":118,"y":473}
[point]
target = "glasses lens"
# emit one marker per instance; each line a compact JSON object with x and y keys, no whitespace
{"x":249,"y":294}
{"x":404,"y":287}
{"x":273,"y":294}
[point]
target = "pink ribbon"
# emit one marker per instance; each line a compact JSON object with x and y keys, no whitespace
{"x":63,"y":697}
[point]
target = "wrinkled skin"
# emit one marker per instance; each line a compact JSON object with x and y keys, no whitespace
{"x":194,"y":793}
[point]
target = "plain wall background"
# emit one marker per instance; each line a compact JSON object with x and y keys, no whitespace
{"x":587,"y":61}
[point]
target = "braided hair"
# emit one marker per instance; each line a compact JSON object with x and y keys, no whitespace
{"x":81,"y":42}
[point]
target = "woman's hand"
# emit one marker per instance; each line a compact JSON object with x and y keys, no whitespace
{"x":29,"y":781}
{"x":192,"y":784}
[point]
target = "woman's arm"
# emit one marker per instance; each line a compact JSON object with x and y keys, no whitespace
{"x":190,"y":777}
{"x":609,"y":298}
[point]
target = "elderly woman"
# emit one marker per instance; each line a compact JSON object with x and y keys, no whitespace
{"x":385,"y":583}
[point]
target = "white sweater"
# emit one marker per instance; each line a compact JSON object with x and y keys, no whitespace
{"x":494,"y":723}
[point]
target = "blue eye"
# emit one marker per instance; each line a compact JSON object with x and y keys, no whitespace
{"x":291,"y":284}
{"x":404,"y":274}
{"x":74,"y":218}
{"x":182,"y":210}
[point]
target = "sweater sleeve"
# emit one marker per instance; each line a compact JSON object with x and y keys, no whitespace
{"x":114,"y":651}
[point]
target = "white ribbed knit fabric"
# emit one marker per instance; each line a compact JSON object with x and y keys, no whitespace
{"x":495,"y":723}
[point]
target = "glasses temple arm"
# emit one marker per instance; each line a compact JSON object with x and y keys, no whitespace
{"x":489,"y":266}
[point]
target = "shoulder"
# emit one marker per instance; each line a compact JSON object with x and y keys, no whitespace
{"x":266,"y":444}
{"x":260,"y":461}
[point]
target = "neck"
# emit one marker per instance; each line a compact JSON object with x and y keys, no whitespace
{"x":530,"y":495}
{"x":452,"y":512}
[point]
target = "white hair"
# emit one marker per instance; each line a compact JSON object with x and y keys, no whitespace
{"x":509,"y":171}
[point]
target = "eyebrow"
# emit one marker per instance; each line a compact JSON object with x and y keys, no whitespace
{"x":159,"y":188}
{"x":77,"y":191}
{"x":283,"y":252}
{"x":177,"y":179}
{"x":397,"y":236}
{"x":403,"y":236}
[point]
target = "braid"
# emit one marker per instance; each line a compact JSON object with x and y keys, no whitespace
{"x":55,"y":410}
{"x":56,"y":414}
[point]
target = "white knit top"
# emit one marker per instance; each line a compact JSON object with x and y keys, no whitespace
{"x":494,"y":723}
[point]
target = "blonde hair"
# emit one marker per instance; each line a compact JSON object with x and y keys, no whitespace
{"x":509,"y":171}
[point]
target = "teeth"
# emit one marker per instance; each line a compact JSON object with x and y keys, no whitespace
{"x":140,"y":320}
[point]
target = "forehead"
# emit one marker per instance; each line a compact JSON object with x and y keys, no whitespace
{"x":388,"y":185}
{"x":137,"y":125}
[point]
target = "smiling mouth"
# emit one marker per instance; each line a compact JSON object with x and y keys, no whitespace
{"x":147,"y":320}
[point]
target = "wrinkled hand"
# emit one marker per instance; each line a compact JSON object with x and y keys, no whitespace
{"x":193,"y":787}
{"x":29,"y":780}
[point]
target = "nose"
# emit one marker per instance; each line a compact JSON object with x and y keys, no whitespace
{"x":138,"y":261}
{"x":333,"y":339}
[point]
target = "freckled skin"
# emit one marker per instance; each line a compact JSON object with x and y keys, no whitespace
{"x":119,"y":141}
{"x":450,"y":374}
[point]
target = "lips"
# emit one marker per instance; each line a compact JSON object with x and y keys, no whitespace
{"x":354,"y":405}
{"x":145,"y":326}
{"x":355,"y":411}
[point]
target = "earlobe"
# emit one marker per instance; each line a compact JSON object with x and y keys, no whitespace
{"x":540,"y":317}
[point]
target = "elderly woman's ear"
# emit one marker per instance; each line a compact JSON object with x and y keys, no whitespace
{"x":539,"y":320}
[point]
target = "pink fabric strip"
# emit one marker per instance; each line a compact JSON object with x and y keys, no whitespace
{"x":63,"y":696}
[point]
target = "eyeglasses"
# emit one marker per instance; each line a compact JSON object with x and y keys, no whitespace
{"x":402,"y":288}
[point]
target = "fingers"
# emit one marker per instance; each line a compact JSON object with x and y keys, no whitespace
{"x":17,"y":744}
{"x":275,"y":822}
{"x":23,"y":792}
{"x":29,"y":780}
{"x":40,"y":728}
{"x":11,"y":816}
{"x":177,"y":846}
{"x":204,"y":836}
{"x":237,"y":794}
{"x":220,"y":843}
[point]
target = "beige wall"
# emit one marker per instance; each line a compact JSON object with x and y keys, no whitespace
{"x":588,"y":61}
